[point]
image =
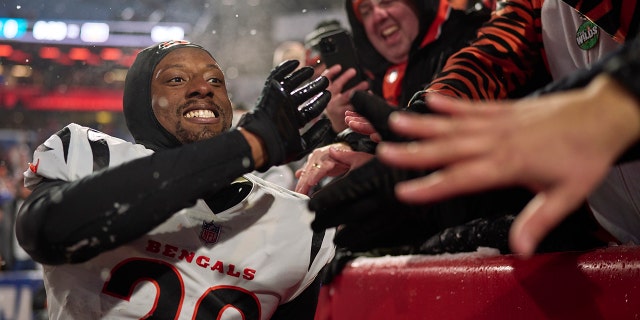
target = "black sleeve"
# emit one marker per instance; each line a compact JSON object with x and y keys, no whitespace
{"x":71,"y":222}
{"x":303,"y":306}
{"x":357,"y":141}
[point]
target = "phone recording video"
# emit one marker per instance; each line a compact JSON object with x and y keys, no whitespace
{"x":337,"y":48}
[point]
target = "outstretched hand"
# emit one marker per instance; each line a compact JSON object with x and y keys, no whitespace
{"x":328,"y":161}
{"x":283,"y":109}
{"x":364,"y":204}
{"x":556,"y":146}
{"x":340,"y":103}
{"x":361,"y":125}
{"x":371,"y":115}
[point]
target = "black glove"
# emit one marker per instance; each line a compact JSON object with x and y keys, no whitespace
{"x":320,"y":134}
{"x":363,"y":202}
{"x":377,"y":111}
{"x":418,"y":103}
{"x":481,"y":232}
{"x":364,"y":205}
{"x":277,"y":116}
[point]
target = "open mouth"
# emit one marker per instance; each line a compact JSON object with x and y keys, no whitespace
{"x":201,"y":113}
{"x":389,"y":31}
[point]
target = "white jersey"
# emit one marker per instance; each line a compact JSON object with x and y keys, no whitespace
{"x":241,"y":263}
{"x":616,"y":201}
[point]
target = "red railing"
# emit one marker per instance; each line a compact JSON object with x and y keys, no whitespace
{"x":598,"y":284}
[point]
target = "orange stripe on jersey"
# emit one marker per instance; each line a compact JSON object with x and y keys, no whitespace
{"x":502,"y":60}
{"x":34,"y":167}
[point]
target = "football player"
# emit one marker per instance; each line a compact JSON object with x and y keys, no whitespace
{"x":173,"y":226}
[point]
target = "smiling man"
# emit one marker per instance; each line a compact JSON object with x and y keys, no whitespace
{"x":174,"y":227}
{"x":391,"y":26}
{"x":402,"y":45}
{"x":194,"y":119}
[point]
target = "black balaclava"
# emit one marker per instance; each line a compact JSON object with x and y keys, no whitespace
{"x":141,"y":121}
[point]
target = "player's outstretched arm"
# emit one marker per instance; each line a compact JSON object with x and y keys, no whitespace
{"x":69,"y":222}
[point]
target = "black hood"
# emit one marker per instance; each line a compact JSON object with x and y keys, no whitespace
{"x":141,"y":121}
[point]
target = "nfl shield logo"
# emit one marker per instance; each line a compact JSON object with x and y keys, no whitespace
{"x":210,"y":232}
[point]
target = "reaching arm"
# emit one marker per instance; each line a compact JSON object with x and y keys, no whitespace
{"x":560,"y":146}
{"x":65,"y":222}
{"x":505,"y":61}
{"x":68,"y":222}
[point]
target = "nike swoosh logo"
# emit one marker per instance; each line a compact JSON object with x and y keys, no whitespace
{"x":34,"y":168}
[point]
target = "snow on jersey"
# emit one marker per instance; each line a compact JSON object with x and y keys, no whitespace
{"x":237,"y":264}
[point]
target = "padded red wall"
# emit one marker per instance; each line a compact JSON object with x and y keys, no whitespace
{"x":599,"y":284}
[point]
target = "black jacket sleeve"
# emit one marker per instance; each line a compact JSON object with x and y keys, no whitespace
{"x":357,"y":141}
{"x":71,"y":222}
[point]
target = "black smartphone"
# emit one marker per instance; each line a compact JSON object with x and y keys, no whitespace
{"x":337,"y":48}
